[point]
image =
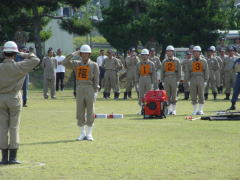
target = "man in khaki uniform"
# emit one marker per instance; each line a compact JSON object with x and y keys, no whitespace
{"x":117,"y":75}
{"x":222,"y":55}
{"x":184,"y":69}
{"x":87,"y":81}
{"x":229,"y":74}
{"x":49,"y":65}
{"x":12,"y":76}
{"x":144,"y":75}
{"x":158,"y":64}
{"x":171,"y":75}
{"x":131,"y":67}
{"x":111,"y":66}
{"x":218,"y":72}
{"x":197,"y":75}
{"x":213,"y":67}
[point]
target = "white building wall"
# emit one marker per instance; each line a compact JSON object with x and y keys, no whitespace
{"x":59,"y":39}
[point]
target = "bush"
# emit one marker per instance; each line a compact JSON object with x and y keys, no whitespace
{"x":78,"y":41}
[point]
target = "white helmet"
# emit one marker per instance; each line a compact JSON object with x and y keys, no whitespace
{"x":145,"y":51}
{"x":10,"y":46}
{"x":197,"y":48}
{"x":85,"y":49}
{"x":170,"y":48}
{"x":212,"y":48}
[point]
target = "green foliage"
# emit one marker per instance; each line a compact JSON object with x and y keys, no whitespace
{"x":76,"y":26}
{"x":180,"y":23}
{"x":78,"y":41}
{"x":45,"y":35}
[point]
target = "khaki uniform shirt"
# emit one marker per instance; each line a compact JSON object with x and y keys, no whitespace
{"x":197,"y":68}
{"x":111,"y":64}
{"x":171,"y":67}
{"x":156,"y":61}
{"x":12,"y":74}
{"x":86,"y":74}
{"x":145,"y":68}
{"x":49,"y":65}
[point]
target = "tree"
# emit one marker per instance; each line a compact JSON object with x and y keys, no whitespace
{"x":180,"y":23}
{"x":35,"y":14}
{"x":121,"y":24}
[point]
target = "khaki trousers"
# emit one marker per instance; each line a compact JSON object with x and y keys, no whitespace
{"x":110,"y":80}
{"x":49,"y":83}
{"x":145,"y":84}
{"x":10,"y":110}
{"x":197,"y":90}
{"x":131,"y":80}
{"x":85,"y":105}
{"x":170,"y":85}
{"x":228,"y":81}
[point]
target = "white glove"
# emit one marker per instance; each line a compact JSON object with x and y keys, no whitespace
{"x":189,"y":84}
{"x":205,"y":84}
{"x":76,"y":53}
{"x":162,"y":83}
{"x":177,"y":84}
{"x":95,"y":96}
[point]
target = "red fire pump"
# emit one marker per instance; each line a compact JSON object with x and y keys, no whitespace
{"x":155,"y":104}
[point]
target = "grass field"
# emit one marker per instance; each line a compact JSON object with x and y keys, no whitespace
{"x":129,"y":148}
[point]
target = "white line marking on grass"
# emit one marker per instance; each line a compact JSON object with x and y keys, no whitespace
{"x":23,"y":165}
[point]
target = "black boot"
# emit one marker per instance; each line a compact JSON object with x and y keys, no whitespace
{"x":215,"y":96}
{"x":125,"y":95}
{"x":116,"y":95}
{"x":4,"y":157}
{"x":227,"y":96}
{"x":24,"y":103}
{"x":233,"y":107}
{"x":104,"y":95}
{"x":206,"y":96}
{"x":13,"y":157}
{"x":188,"y":93}
{"x":130,"y":94}
{"x":219,"y":90}
{"x":185,"y":96}
{"x":108,"y":95}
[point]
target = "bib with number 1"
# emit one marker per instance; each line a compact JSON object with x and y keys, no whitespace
{"x":145,"y":69}
{"x":197,"y":66}
{"x":83,"y":73}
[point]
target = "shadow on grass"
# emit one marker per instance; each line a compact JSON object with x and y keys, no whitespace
{"x":48,"y":142}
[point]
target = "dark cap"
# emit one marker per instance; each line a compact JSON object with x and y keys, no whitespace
{"x":230,"y":48}
{"x":191,"y":46}
{"x":188,"y":53}
{"x":110,"y":51}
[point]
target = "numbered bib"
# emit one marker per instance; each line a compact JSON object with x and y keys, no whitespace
{"x":83,"y":72}
{"x":197,"y":66}
{"x":170,"y":67}
{"x":145,"y":69}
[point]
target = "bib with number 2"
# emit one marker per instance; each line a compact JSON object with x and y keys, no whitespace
{"x":170,"y":67}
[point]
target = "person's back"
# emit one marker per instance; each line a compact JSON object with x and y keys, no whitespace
{"x":12,"y":73}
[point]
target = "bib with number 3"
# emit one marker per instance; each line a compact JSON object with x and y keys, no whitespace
{"x":82,"y":72}
{"x":145,"y":69}
{"x":170,"y":67}
{"x":197,"y":66}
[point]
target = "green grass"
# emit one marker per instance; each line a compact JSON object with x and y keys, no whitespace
{"x":129,"y":148}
